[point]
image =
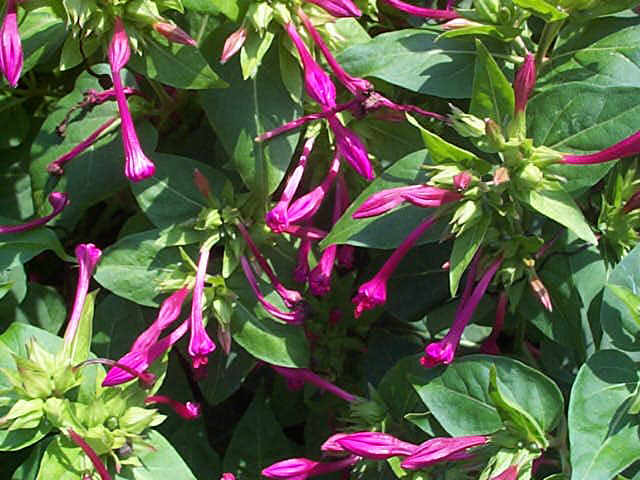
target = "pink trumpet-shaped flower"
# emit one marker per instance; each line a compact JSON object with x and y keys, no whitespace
{"x":301,"y":270}
{"x":200,"y":344}
{"x":168,"y":313}
{"x":374,"y":292}
{"x":188,"y":411}
{"x":423,"y":12}
{"x":58,"y":200}
{"x":626,"y":148}
{"x":439,"y":449}
{"x":173,"y":33}
{"x":338,"y":8}
{"x":421,"y":195}
{"x":317,"y":83}
{"x":294,"y":317}
{"x":302,"y":468}
{"x":443,"y":352}
{"x":352,"y":149}
{"x":98,"y":464}
{"x":233,"y":44}
{"x":375,"y":445}
{"x":510,"y":473}
{"x":11,"y":56}
{"x":56,"y":166}
{"x":137,"y":165}
{"x":277,"y":218}
{"x":490,"y":345}
{"x":88,"y":256}
{"x":304,"y":375}
{"x":524,"y":82}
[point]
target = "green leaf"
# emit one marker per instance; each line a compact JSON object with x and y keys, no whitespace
{"x":16,"y":121}
{"x":603,"y":435}
{"x":226,"y":373}
{"x":412,"y":59}
{"x":19,"y":248}
{"x":492,"y":95}
{"x":79,"y":347}
{"x":554,"y":202}
{"x":29,"y":468}
{"x":181,"y":66}
{"x":42,"y":32}
{"x":465,"y":247}
{"x":161,"y":461}
{"x":247,"y":109}
{"x":115,"y":322}
{"x":459,"y":396}
{"x":230,"y":8}
{"x":62,"y":460}
{"x":252,"y":53}
{"x":545,"y":10}
{"x":619,"y":321}
{"x":43,"y":307}
{"x":257,"y":441}
{"x":15,"y":190}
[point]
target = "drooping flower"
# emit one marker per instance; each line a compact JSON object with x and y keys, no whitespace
{"x":173,"y":33}
{"x":374,"y":292}
{"x":137,"y":165}
{"x":338,"y":8}
{"x":443,"y":352}
{"x":88,"y":256}
{"x":628,"y":147}
{"x":351,"y":148}
{"x":524,"y":82}
{"x":200,"y":344}
{"x":188,"y":411}
{"x":98,"y":464}
{"x":436,"y":14}
{"x":233,"y":44}
{"x":375,"y":445}
{"x":168,"y":313}
{"x":304,"y":375}
{"x":58,"y":200}
{"x":11,"y":56}
{"x":302,"y":468}
{"x":421,"y":195}
{"x":442,"y":449}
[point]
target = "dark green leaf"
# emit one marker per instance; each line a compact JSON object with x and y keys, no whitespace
{"x":42,"y":32}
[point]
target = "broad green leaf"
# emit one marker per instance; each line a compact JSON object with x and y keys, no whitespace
{"x":598,"y":9}
{"x":387,"y":141}
{"x":618,"y":320}
{"x":42,"y":32}
{"x":465,"y":247}
{"x":19,"y":248}
{"x":412,"y":59}
{"x":160,"y":461}
{"x":602,"y":433}
{"x":226,"y":373}
{"x":543,"y":9}
{"x":43,"y":307}
{"x":247,"y":109}
{"x":28,"y":470}
{"x":63,"y":460}
{"x":15,"y":190}
{"x":630,"y":299}
{"x":230,"y":8}
{"x":554,"y":202}
{"x":492,"y":95}
{"x":116,"y":323}
{"x":459,"y":397}
{"x":181,"y":66}
{"x":257,"y":441}
{"x":12,"y":280}
{"x":192,"y":444}
{"x":16,"y":121}
{"x":252,"y":53}
{"x":79,"y":347}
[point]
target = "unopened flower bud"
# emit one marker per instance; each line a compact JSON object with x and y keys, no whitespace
{"x":462,"y":181}
{"x":541,"y":292}
{"x":501,"y":175}
{"x":524,"y":82}
{"x":458,"y":23}
{"x":202,"y":184}
{"x":494,"y":134}
{"x":233,"y":44}
{"x":173,"y":33}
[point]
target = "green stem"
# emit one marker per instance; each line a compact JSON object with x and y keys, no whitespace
{"x":203,"y":26}
{"x":549,"y":34}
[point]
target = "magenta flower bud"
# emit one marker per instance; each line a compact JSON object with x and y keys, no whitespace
{"x":233,"y":44}
{"x":510,"y":473}
{"x":430,"y":197}
{"x":224,"y":337}
{"x":88,"y":256}
{"x":119,"y":50}
{"x":626,"y":148}
{"x":11,"y":56}
{"x":441,"y":450}
{"x":301,"y":270}
{"x":541,"y":292}
{"x":462,"y":181}
{"x":228,"y":476}
{"x":188,"y":411}
{"x":490,"y":345}
{"x":374,"y":292}
{"x":331,"y":444}
{"x":352,"y":149}
{"x":420,"y":195}
{"x":423,"y":12}
{"x":58,"y":200}
{"x":338,"y":8}
{"x":302,"y":468}
{"x":200,"y":344}
{"x":443,"y":352}
{"x":168,"y":313}
{"x":525,"y":82}
{"x":98,"y":464}
{"x":317,"y":83}
{"x":320,"y":276}
{"x":173,"y":33}
{"x":375,"y":445}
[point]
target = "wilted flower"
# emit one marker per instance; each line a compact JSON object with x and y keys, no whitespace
{"x":541,"y":292}
{"x":352,"y":149}
{"x":233,"y":44}
{"x":58,"y":200}
{"x":188,"y":411}
{"x":173,"y":33}
{"x":524,"y":82}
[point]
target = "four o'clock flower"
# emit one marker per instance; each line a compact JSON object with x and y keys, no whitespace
{"x":137,"y":165}
{"x":439,"y":449}
{"x":302,"y":468}
{"x":301,"y":270}
{"x":11,"y":57}
{"x":628,"y":147}
{"x":524,"y":82}
{"x":423,"y":12}
{"x":98,"y":464}
{"x":88,"y":256}
{"x":375,"y":445}
{"x":200,"y":344}
{"x":233,"y":44}
{"x":421,"y":195}
{"x":58,"y":200}
{"x":188,"y":411}
{"x":339,"y":8}
{"x":351,"y":148}
{"x":168,"y":313}
{"x":374,"y":292}
{"x":173,"y":33}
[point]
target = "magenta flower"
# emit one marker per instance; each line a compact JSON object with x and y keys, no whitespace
{"x":98,"y":464}
{"x":490,"y":345}
{"x":88,"y":256}
{"x":351,"y":148}
{"x":317,"y":83}
{"x":302,"y":468}
{"x":188,"y":411}
{"x":58,"y":200}
{"x":421,"y":195}
{"x":524,"y":82}
{"x":346,"y":253}
{"x":375,"y":445}
{"x":510,"y":473}
{"x":173,"y":33}
{"x":442,"y":450}
{"x":374,"y":292}
{"x":168,"y":313}
{"x":233,"y":44}
{"x":626,"y":148}
{"x":228,"y":476}
{"x":301,"y":270}
{"x":137,"y":165}
{"x":462,"y":181}
{"x":56,"y":166}
{"x":320,"y":276}
{"x":200,"y":344}
{"x":11,"y":57}
{"x":331,"y":444}
{"x":338,"y":8}
{"x":423,"y":12}
{"x":294,"y":317}
{"x":443,"y":352}
{"x":304,"y":375}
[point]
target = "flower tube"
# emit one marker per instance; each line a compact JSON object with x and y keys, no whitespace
{"x":58,"y":200}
